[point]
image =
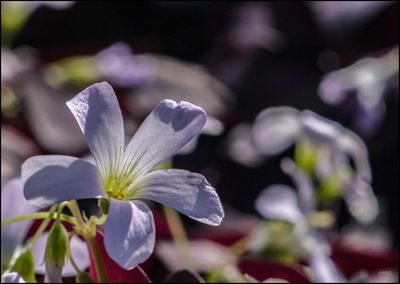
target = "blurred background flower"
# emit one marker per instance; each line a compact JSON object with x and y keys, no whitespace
{"x":339,"y":60}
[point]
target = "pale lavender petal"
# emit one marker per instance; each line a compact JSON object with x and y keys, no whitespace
{"x":186,"y":192}
{"x":275,"y":129}
{"x":352,"y":145}
{"x":121,"y":67}
{"x":165,"y":131}
{"x":279,"y":202}
{"x":212,"y":127}
{"x":303,"y":184}
{"x":179,"y":81}
{"x":50,"y":121}
{"x":361,"y":200}
{"x":79,"y":252}
{"x":12,"y":235}
{"x":129,"y":235}
{"x":12,"y":277}
{"x":52,"y":179}
{"x":323,"y":270}
{"x":98,"y":114}
{"x":319,"y":129}
{"x":346,"y":16}
{"x":204,"y":255}
{"x":240,"y":148}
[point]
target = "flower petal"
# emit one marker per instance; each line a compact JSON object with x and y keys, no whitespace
{"x":129,"y":233}
{"x":50,"y":121}
{"x":52,"y":179}
{"x":323,"y":270}
{"x":280,"y":202}
{"x":166,"y":130}
{"x":12,"y":235}
{"x":352,"y":145}
{"x":79,"y":252}
{"x":98,"y":114}
{"x":361,"y":200}
{"x":187,"y":192}
{"x":275,"y":129}
{"x":319,"y":129}
{"x":303,"y":184}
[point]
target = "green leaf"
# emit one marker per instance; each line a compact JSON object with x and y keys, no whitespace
{"x":25,"y":266}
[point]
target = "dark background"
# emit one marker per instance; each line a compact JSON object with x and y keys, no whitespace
{"x":192,"y":31}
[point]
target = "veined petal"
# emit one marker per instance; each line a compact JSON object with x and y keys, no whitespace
{"x":79,"y":253}
{"x":186,"y":192}
{"x":166,"y":130}
{"x":280,"y":202}
{"x":129,"y":233}
{"x":52,"y":179}
{"x":98,"y":114}
{"x":12,"y":235}
{"x":275,"y":129}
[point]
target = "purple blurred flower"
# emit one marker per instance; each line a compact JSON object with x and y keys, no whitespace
{"x":122,"y":68}
{"x":13,"y":235}
{"x":15,"y":148}
{"x":277,"y":128}
{"x":280,"y":202}
{"x":336,"y":17}
{"x":364,"y":84}
{"x":124,"y":174}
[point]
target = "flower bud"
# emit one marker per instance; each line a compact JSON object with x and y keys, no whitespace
{"x":56,"y":251}
{"x":25,"y":266}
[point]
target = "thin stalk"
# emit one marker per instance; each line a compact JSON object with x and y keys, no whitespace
{"x":42,"y":227}
{"x":97,"y":257}
{"x":38,"y":216}
{"x":71,"y":258}
{"x":90,"y":240}
{"x":178,"y":233}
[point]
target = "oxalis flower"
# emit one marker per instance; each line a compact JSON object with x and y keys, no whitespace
{"x":281,"y":202}
{"x":125,"y":173}
{"x":327,"y":146}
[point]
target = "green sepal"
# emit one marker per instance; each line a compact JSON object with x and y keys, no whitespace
{"x":57,"y":245}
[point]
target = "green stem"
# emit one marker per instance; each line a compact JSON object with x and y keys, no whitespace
{"x":37,"y":216}
{"x":90,"y":239}
{"x":178,"y":233}
{"x":42,"y":227}
{"x":98,"y":260}
{"x":76,"y":212}
{"x":71,"y":258}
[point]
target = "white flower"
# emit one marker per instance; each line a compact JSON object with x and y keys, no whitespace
{"x":124,"y":173}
